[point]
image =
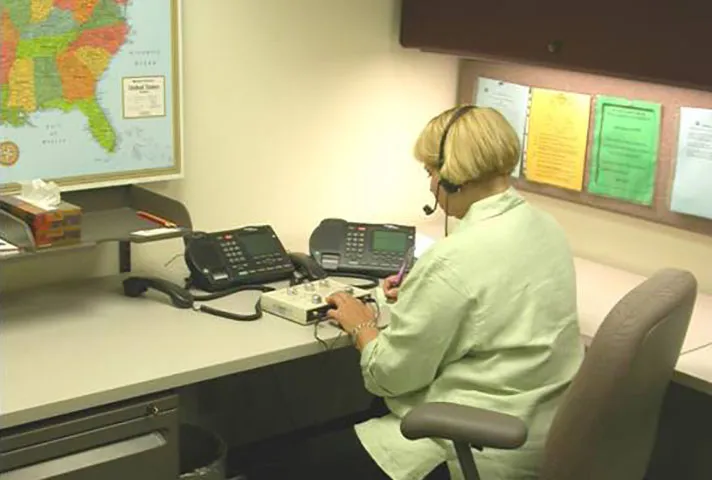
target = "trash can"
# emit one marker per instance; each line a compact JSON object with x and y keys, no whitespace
{"x":202,"y":454}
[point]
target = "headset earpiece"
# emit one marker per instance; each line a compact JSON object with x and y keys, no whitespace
{"x":447,"y":185}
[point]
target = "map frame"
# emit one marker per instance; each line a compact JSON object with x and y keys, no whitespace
{"x":130,"y":177}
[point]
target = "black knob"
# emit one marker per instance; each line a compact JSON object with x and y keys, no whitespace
{"x":554,"y":46}
{"x":152,"y":410}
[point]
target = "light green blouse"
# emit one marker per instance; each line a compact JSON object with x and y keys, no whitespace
{"x":487,"y":317}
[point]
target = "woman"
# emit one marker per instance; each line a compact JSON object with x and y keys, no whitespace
{"x":487,"y":316}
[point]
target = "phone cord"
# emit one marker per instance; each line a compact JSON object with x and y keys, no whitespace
{"x":230,"y":315}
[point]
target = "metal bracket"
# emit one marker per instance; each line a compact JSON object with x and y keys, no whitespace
{"x":124,"y":257}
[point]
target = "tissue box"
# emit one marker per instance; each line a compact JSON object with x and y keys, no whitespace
{"x":61,"y":225}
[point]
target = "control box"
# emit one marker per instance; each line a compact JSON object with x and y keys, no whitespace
{"x":306,"y":303}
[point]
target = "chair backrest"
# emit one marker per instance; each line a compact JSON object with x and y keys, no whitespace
{"x":607,"y":423}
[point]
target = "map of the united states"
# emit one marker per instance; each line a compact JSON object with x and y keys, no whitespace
{"x":52,"y":55}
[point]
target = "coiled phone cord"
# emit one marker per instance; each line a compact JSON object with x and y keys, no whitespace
{"x":231,"y":315}
{"x":206,"y":297}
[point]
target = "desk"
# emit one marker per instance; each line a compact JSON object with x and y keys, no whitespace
{"x":694,"y":370}
{"x":600,"y":287}
{"x":65,"y":350}
{"x":68,"y":350}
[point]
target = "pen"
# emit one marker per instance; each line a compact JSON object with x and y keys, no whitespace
{"x":155,"y":218}
{"x":408,"y":257}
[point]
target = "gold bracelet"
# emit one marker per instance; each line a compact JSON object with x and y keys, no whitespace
{"x":361,"y":326}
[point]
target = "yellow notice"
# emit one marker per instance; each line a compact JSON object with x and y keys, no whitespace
{"x":558,"y":133}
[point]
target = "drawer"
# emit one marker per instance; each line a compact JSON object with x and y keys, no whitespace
{"x":137,"y":440}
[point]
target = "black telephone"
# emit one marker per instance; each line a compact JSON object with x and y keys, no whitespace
{"x":231,"y":261}
{"x":361,"y":248}
{"x":228,"y":262}
{"x":249,"y":255}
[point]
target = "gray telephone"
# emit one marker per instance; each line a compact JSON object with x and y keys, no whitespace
{"x":362,"y":248}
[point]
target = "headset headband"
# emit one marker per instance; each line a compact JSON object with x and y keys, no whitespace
{"x":447,"y":185}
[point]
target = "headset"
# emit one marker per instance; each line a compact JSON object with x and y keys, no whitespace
{"x":447,"y":185}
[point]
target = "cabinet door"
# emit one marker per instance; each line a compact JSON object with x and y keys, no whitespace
{"x":656,"y":41}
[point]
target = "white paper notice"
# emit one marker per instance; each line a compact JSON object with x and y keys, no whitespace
{"x":511,"y":100}
{"x":691,"y":193}
{"x":144,"y":97}
{"x":7,"y":248}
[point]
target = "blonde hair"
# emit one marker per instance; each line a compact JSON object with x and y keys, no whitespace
{"x":480,"y":144}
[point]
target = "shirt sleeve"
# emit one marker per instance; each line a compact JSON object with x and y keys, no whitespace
{"x":406,"y":355}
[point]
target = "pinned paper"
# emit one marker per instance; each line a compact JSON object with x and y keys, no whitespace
{"x":509,"y":99}
{"x":624,"y":155}
{"x":557,"y":138}
{"x":691,"y":189}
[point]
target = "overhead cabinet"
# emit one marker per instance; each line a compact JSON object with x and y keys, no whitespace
{"x":663,"y":42}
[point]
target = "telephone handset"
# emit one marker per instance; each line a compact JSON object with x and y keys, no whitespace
{"x":249,"y":255}
{"x":306,"y":267}
{"x":362,"y":248}
{"x":135,"y":286}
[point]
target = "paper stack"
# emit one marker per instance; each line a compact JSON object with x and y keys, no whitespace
{"x":7,"y":248}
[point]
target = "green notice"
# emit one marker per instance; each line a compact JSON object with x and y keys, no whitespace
{"x":625,"y":149}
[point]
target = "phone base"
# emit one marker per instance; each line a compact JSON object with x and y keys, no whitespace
{"x":306,"y":303}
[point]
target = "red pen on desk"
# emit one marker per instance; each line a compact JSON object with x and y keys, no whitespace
{"x":155,"y":218}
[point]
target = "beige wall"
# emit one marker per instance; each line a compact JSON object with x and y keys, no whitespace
{"x":295,"y":110}
{"x":631,"y":244}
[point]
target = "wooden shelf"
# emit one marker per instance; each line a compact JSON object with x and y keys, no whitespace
{"x":108,"y":215}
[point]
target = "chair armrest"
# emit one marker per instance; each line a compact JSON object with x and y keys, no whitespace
{"x":474,"y":426}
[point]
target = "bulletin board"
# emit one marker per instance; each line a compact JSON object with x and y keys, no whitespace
{"x":671,"y":99}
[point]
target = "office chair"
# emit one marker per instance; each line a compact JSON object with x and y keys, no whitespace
{"x":606,"y":425}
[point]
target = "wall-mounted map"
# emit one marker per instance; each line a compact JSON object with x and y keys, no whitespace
{"x":89,"y":91}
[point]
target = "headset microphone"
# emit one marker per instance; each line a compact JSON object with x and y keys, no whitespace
{"x":430,"y":210}
{"x":427,"y":208}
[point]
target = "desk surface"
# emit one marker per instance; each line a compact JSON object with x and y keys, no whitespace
{"x":68,"y":349}
{"x":694,"y":369}
{"x":600,"y":287}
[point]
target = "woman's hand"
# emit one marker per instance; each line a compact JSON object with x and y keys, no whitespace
{"x":348,"y":311}
{"x":351,"y":312}
{"x":390,"y":287}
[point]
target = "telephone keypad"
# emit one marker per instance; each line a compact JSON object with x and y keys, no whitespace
{"x":355,"y":244}
{"x":234,"y":254}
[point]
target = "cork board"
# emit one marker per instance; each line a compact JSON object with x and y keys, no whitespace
{"x":671,"y":99}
